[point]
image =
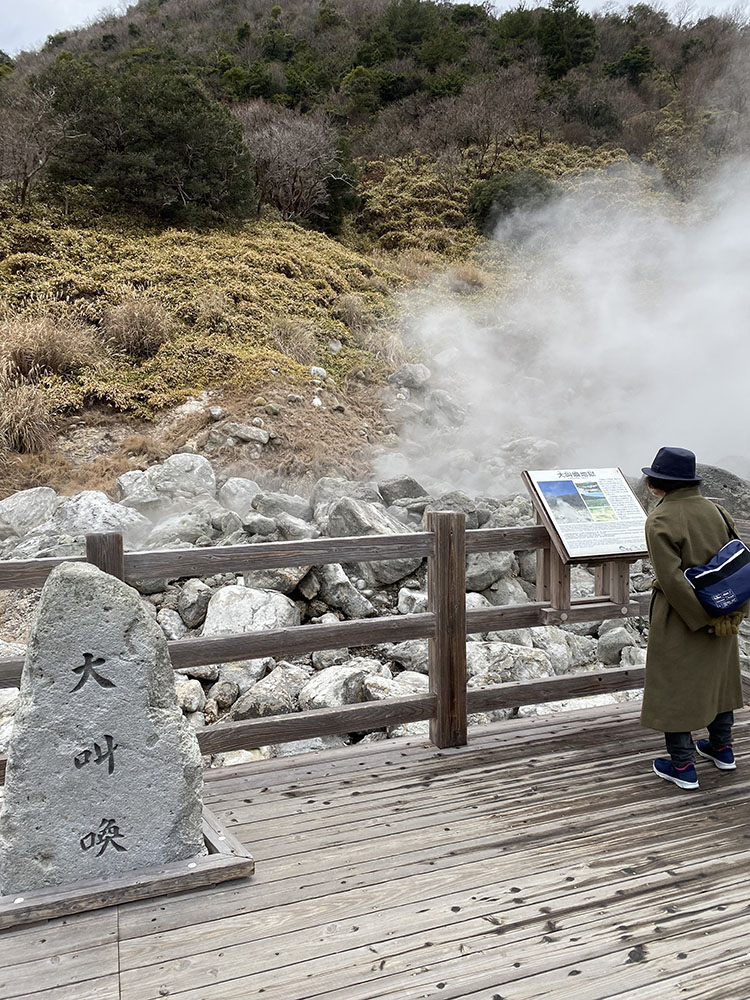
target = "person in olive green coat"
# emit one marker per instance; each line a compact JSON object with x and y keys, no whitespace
{"x":692,"y":663}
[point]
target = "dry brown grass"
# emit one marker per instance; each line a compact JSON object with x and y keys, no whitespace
{"x":417,"y":265}
{"x":41,"y":345}
{"x":213,"y":311}
{"x":466,"y":277}
{"x":352,"y":311}
{"x":26,"y":421}
{"x":146,"y":447}
{"x":295,"y":338}
{"x":139,"y":326}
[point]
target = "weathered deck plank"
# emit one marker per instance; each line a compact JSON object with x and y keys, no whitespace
{"x":541,"y":861}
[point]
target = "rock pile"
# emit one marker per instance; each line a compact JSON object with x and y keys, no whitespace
{"x":181,"y":504}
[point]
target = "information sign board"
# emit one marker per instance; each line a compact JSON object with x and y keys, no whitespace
{"x":592,"y":514}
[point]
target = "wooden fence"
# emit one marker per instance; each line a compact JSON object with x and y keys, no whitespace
{"x":445,"y":624}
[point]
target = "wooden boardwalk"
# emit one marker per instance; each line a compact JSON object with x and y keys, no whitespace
{"x":544,"y":860}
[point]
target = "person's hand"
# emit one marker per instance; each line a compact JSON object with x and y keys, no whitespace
{"x":727,"y":625}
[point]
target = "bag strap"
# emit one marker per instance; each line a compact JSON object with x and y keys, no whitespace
{"x":725,"y":519}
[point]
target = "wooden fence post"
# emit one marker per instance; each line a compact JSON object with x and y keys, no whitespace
{"x":106,"y":550}
{"x":446,"y":596}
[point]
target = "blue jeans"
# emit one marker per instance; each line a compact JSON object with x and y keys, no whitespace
{"x":680,"y":746}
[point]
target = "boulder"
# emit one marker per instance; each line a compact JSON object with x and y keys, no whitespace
{"x":506,"y":591}
{"x":258,"y":524}
{"x":612,"y":643}
{"x":92,"y":511}
{"x":633,"y":656}
{"x":245,"y":673}
{"x":21,"y":512}
{"x":348,"y":517}
{"x":284,"y":579}
{"x":238,"y":494}
{"x":329,"y":488}
{"x":410,"y":376}
{"x":455,"y":501}
{"x":291,"y":528}
{"x":411,"y":602}
{"x":182,"y":476}
{"x":172,"y":625}
{"x":485,"y":568}
{"x":201,"y":671}
{"x":272,"y":504}
{"x":498,"y":662}
{"x":236,"y":609}
{"x":190,"y":695}
{"x":411,"y":654}
{"x":554,"y":642}
{"x":401,"y":488}
{"x":323,"y":658}
{"x":275,"y":694}
{"x":246,"y":432}
{"x":193,"y":601}
{"x":340,"y":685}
{"x":187,"y":526}
{"x":224,"y":692}
{"x":337,"y":591}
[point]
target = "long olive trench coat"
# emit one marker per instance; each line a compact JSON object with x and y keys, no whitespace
{"x":691,"y":674}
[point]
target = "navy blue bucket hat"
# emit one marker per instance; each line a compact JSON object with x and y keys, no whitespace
{"x":674,"y":463}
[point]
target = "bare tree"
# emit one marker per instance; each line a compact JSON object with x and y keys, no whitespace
{"x":295,"y":157}
{"x":30,"y":133}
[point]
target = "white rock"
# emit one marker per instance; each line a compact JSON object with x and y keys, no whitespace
{"x":348,"y":517}
{"x":236,"y":609}
{"x":411,"y":602}
{"x":238,"y":494}
{"x":171,"y":623}
{"x":612,"y":643}
{"x":23,"y":511}
{"x":92,"y":511}
{"x":190,"y":696}
{"x":276,"y":694}
{"x":340,"y":685}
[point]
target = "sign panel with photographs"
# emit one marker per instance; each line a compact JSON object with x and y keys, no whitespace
{"x":592,"y":513}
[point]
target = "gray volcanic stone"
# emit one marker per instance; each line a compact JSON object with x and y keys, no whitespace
{"x":276,"y":694}
{"x":193,"y":602}
{"x":348,"y":517}
{"x":455,"y":501}
{"x":245,"y":673}
{"x":411,"y":602}
{"x":329,"y":489}
{"x":246,"y":432}
{"x":225,"y":693}
{"x":23,"y":511}
{"x":258,"y":524}
{"x":292,"y":528}
{"x":271,"y":504}
{"x":180,"y":476}
{"x":400,"y":488}
{"x":337,"y":590}
{"x":410,"y":376}
{"x":612,"y":643}
{"x":497,"y":662}
{"x":485,"y":568}
{"x":92,"y":510}
{"x":235,"y":609}
{"x":190,"y":695}
{"x":104,"y":775}
{"x":238,"y":494}
{"x":172,"y":625}
{"x":340,"y":685}
{"x":284,"y":579}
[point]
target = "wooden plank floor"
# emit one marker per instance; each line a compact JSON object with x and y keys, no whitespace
{"x":544,"y":860}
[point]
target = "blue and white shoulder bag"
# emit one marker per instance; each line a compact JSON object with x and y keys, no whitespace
{"x":723,"y":584}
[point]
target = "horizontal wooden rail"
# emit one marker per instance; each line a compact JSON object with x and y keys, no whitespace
{"x":299,"y":639}
{"x":183,"y":563}
{"x":513,"y":694}
{"x":507,"y":539}
{"x":317,"y":722}
{"x":170,"y":563}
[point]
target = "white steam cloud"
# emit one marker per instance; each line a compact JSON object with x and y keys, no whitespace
{"x":623,"y":324}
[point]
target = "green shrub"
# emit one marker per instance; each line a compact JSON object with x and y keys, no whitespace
{"x":502,"y":194}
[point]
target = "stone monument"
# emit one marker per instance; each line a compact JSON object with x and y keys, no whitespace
{"x":104,"y":774}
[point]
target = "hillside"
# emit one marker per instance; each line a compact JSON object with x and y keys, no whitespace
{"x":202,"y":201}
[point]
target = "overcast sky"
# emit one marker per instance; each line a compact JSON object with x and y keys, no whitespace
{"x":24,"y":24}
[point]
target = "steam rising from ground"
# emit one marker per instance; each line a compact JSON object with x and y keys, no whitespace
{"x":622,"y":324}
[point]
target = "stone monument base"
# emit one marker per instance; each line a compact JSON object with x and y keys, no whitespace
{"x":226,"y":859}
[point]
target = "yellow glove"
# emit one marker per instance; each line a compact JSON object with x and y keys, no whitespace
{"x":727,"y":625}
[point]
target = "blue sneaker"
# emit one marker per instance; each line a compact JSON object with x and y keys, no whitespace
{"x":683,"y":777}
{"x":723,"y":758}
